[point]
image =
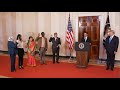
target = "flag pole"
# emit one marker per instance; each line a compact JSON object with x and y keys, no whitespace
{"x":70,"y":60}
{"x":70,"y":47}
{"x":70,"y":54}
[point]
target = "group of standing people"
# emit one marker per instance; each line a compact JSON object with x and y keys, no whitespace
{"x":42,"y":46}
{"x":16,"y":47}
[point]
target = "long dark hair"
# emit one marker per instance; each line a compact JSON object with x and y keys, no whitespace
{"x":31,"y":37}
{"x":19,"y":37}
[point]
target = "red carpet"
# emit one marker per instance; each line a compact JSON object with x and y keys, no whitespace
{"x":61,"y":70}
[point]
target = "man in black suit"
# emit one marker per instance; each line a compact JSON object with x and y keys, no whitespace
{"x":112,"y":43}
{"x":86,"y":39}
{"x":56,"y":42}
{"x":12,"y":51}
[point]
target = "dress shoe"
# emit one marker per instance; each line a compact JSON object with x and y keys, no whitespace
{"x":13,"y":70}
{"x":45,"y":63}
{"x":107,"y":68}
{"x":112,"y":69}
{"x":20,"y":67}
{"x":57,"y":62}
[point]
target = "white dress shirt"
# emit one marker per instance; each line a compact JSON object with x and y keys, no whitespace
{"x":112,"y":37}
{"x":43,"y":42}
{"x":20,"y":44}
{"x":85,"y":39}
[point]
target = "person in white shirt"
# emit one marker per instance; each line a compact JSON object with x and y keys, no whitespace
{"x":20,"y":47}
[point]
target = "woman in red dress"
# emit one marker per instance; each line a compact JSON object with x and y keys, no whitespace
{"x":31,"y":52}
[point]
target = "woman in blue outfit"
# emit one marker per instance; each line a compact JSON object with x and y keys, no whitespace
{"x":12,"y":51}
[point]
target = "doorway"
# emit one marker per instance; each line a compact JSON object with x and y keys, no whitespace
{"x":91,"y":25}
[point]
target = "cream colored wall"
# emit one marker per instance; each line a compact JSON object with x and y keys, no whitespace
{"x":29,"y":23}
{"x":7,"y":28}
{"x":58,"y":24}
{"x":44,"y":25}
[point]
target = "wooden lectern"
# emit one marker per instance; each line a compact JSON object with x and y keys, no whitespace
{"x":82,"y":49}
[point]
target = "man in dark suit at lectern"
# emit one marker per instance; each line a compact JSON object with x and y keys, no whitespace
{"x":111,"y":43}
{"x":86,"y":39}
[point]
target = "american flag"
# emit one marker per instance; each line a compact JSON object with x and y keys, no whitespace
{"x":105,"y":34}
{"x":107,"y":26}
{"x":69,"y":36}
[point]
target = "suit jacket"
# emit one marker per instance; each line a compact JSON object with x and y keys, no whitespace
{"x":113,"y":45}
{"x":37,"y":38}
{"x":88,"y":40}
{"x":12,"y":47}
{"x":40,"y":42}
{"x":55,"y":44}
